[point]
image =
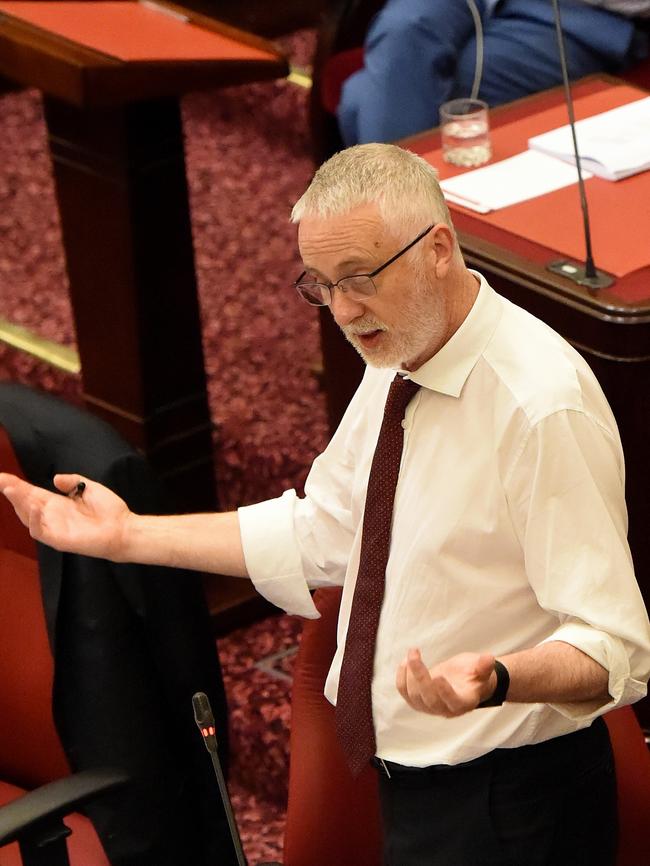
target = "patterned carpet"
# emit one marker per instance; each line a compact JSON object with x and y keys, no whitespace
{"x":257,"y":664}
{"x":247,"y":162}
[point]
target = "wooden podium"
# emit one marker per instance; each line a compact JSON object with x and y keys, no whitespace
{"x":111,"y":74}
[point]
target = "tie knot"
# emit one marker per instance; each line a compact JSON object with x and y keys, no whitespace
{"x":399,"y":396}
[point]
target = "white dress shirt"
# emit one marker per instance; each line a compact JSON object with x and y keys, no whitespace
{"x":509,"y":530}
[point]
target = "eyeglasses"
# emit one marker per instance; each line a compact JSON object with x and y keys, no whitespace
{"x":357,"y":287}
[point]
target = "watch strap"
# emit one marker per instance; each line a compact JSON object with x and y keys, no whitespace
{"x":501,"y":690}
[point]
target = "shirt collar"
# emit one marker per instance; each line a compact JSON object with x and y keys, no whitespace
{"x":448,"y":369}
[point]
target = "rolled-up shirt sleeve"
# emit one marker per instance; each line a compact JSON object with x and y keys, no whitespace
{"x":273,"y":557}
{"x":294,"y":544}
{"x":614,"y":654}
{"x":566,"y":496}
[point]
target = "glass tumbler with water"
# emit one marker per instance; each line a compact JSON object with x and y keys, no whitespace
{"x":465,"y":130}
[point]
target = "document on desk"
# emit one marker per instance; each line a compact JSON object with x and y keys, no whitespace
{"x":519,"y":178}
{"x":613,"y":145}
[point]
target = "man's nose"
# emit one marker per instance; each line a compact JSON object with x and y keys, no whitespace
{"x":345,"y":309}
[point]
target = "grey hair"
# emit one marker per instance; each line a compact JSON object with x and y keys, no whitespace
{"x":403,"y":186}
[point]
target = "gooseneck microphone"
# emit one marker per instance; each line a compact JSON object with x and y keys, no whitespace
{"x":205,"y":721}
{"x":584,"y":274}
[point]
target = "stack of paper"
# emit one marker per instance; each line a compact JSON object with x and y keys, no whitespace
{"x":613,"y":145}
{"x":527,"y":175}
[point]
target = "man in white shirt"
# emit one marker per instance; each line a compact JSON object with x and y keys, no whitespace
{"x":511,"y":618}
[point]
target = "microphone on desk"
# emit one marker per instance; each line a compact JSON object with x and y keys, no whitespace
{"x":584,"y":274}
{"x":204,"y":719}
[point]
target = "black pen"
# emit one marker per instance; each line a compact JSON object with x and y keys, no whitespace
{"x":77,"y":490}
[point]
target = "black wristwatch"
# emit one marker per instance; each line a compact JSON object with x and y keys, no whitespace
{"x":503,"y":683}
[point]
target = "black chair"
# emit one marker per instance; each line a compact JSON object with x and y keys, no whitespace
{"x":98,"y":665}
{"x":338,"y":54}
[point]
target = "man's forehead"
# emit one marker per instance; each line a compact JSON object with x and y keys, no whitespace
{"x":362,"y":226}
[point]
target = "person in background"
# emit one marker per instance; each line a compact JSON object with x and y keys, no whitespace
{"x":471,"y":504}
{"x":420,"y":53}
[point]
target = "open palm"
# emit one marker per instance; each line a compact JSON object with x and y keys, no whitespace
{"x":91,"y":524}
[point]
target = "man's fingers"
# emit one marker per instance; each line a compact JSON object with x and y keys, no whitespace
{"x":448,"y":689}
{"x":36,"y":521}
{"x":24,"y":497}
{"x":407,"y":686}
{"x":14,"y":487}
{"x":67,"y":483}
{"x":417,"y":667}
{"x":7,"y":480}
{"x":448,"y":697}
{"x":420,"y":693}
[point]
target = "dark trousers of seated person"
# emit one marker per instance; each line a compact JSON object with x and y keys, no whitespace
{"x":549,"y":804}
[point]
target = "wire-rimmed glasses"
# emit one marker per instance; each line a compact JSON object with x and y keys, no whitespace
{"x":357,"y":287}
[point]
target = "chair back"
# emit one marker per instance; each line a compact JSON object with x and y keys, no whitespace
{"x":30,"y":750}
{"x":331,"y":817}
{"x":335,"y":819}
{"x":632,"y":761}
{"x":342,"y":28}
{"x":131,"y":645}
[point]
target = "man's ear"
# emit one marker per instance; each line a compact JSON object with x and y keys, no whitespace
{"x":442,"y":244}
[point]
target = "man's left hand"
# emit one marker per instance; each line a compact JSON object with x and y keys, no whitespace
{"x":450,"y":688}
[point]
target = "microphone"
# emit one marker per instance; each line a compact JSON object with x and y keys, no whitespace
{"x":584,"y":274}
{"x":205,"y":721}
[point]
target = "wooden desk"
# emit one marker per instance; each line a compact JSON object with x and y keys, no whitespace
{"x":611,"y":328}
{"x":114,"y":128}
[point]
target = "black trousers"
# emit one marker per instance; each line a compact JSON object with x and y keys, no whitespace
{"x":550,"y":804}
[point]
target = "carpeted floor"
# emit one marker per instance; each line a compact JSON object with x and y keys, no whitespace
{"x":257,"y":664}
{"x":247,"y":161}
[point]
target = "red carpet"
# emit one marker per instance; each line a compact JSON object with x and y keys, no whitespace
{"x":258,"y":697}
{"x":247,"y":161}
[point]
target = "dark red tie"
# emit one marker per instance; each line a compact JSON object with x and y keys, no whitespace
{"x":354,"y":723}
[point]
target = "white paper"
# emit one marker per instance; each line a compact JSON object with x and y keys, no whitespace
{"x":613,"y":145}
{"x":519,"y":178}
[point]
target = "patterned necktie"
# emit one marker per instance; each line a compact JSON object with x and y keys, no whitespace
{"x":354,"y":723}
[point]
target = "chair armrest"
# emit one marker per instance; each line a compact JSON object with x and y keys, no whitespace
{"x":56,"y":799}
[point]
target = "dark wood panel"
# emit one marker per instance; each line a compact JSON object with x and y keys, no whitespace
{"x":122,"y":196}
{"x":117,"y":151}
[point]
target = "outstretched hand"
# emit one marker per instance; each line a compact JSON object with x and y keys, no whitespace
{"x":450,"y":688}
{"x":93,"y":523}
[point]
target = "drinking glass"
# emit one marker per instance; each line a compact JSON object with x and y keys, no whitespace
{"x":465,"y":130}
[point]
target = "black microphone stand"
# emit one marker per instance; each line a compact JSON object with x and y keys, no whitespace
{"x":206,"y":724}
{"x":587,"y":274}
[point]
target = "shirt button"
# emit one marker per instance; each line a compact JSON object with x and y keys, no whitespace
{"x":405,"y":424}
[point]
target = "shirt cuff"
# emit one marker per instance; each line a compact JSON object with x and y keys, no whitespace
{"x":609,"y":652}
{"x":272,"y":556}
